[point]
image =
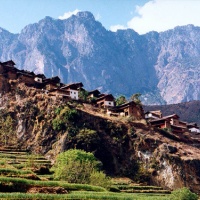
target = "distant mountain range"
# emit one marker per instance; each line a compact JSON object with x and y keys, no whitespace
{"x":164,"y":67}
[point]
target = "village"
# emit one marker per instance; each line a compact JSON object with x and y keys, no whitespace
{"x":55,"y":89}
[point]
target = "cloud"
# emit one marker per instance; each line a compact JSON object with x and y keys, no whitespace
{"x":117,"y":27}
{"x":161,"y":15}
{"x":68,"y":14}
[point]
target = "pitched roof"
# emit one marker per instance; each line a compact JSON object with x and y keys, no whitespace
{"x":9,"y":62}
{"x":104,"y":96}
{"x":94,"y":92}
{"x":122,"y":106}
{"x":73,"y":85}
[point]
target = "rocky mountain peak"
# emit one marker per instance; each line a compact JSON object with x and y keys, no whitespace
{"x":164,"y":67}
{"x":85,"y":15}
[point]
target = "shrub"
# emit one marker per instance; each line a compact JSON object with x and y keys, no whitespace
{"x":183,"y":194}
{"x":100,"y":179}
{"x":58,"y":124}
{"x":75,"y":166}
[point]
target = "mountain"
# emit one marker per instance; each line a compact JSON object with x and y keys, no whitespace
{"x":161,"y":66}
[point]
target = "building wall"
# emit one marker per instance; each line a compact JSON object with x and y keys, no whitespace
{"x":73,"y":94}
{"x":109,"y":103}
{"x":50,"y":86}
{"x":37,"y":79}
{"x":174,"y":122}
{"x":194,"y":130}
{"x":12,"y":75}
{"x":27,"y":79}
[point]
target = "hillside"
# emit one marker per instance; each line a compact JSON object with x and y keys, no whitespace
{"x":188,"y":111}
{"x":46,"y":124}
{"x":164,"y":67}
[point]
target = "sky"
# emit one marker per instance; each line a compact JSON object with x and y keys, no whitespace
{"x":141,"y":15}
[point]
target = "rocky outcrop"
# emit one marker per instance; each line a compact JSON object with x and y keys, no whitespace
{"x":161,"y":66}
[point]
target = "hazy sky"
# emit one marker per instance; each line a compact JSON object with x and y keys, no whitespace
{"x":141,"y":15}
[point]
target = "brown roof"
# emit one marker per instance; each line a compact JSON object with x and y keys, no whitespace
{"x":95,"y":92}
{"x":122,"y":106}
{"x":178,"y":127}
{"x":55,"y":79}
{"x":174,"y":116}
{"x":40,"y":76}
{"x":166,"y":118}
{"x":73,"y":86}
{"x":105,"y":96}
{"x":8,"y":63}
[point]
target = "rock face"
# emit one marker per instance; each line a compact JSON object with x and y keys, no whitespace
{"x":161,"y":66}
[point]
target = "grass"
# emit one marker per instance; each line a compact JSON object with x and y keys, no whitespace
{"x":67,"y":186}
{"x":138,"y":187}
{"x":14,"y":171}
{"x":85,"y":195}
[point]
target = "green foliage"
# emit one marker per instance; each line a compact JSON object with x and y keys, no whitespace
{"x":58,"y":124}
{"x":57,"y":110}
{"x":120,"y":100}
{"x":136,"y":98}
{"x":75,"y":166}
{"x":92,"y":99}
{"x":99,"y":178}
{"x":63,"y":116}
{"x":6,"y":129}
{"x":87,"y":136}
{"x":71,"y":115}
{"x":26,"y":182}
{"x":183,"y":194}
{"x":83,"y":94}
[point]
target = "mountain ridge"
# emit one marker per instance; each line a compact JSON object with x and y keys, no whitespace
{"x":163,"y":67}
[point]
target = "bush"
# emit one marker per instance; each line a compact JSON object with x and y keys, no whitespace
{"x":58,"y":124}
{"x":75,"y":166}
{"x":100,"y":179}
{"x":183,"y":194}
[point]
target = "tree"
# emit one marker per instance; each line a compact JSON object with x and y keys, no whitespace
{"x":83,"y":94}
{"x":75,"y":166}
{"x":136,"y":98}
{"x":6,"y":128}
{"x":120,"y":100}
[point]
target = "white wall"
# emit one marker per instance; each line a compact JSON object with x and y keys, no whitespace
{"x":109,"y":103}
{"x":194,"y":130}
{"x":74,"y":94}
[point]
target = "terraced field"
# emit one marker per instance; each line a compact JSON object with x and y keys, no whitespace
{"x":27,"y":176}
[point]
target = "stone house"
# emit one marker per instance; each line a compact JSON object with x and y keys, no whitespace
{"x":193,"y":127}
{"x":26,"y":77}
{"x":151,"y":115}
{"x":171,"y":122}
{"x":52,"y":83}
{"x":127,"y":109}
{"x":72,"y":89}
{"x":105,"y":100}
